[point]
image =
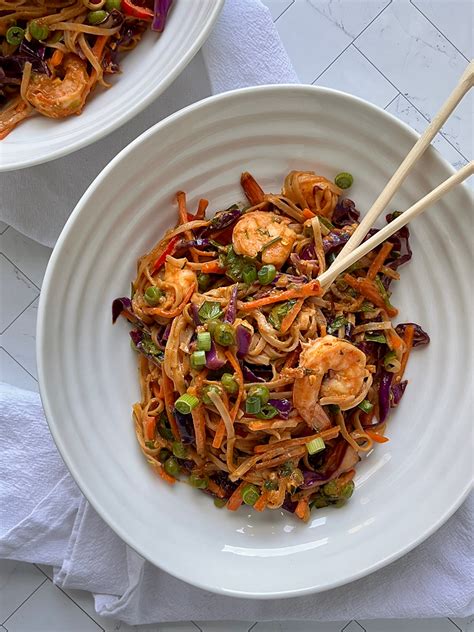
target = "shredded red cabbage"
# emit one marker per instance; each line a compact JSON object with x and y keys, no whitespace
{"x":345,"y":213}
{"x":160,"y":10}
{"x":420,"y":337}
{"x":231,"y":310}
{"x":223,"y":219}
{"x":195,"y":314}
{"x":384,"y":395}
{"x":283,"y":406}
{"x":250,"y":376}
{"x":215,"y":359}
{"x":335,"y":240}
{"x":185,"y":427}
{"x":397,"y":393}
{"x":120,"y":305}
{"x":243,"y":340}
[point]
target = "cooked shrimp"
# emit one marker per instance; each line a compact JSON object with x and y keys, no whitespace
{"x":13,"y":114}
{"x":308,"y":190}
{"x":59,"y":97}
{"x":334,"y":373}
{"x":179,"y":277}
{"x":266,"y":233}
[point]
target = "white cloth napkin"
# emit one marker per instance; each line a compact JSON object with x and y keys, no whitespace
{"x":243,"y":50}
{"x":45,"y":519}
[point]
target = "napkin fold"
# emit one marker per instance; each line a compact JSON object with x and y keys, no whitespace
{"x":45,"y":519}
{"x":243,"y":50}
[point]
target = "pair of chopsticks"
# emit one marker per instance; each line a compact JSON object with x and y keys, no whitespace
{"x":353,"y":251}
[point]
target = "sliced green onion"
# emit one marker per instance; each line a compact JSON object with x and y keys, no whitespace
{"x":229,"y":383}
{"x":373,"y":337}
{"x":249,"y":274}
{"x":198,"y":359}
{"x":148,"y":346}
{"x":261,"y":392}
{"x":204,"y":281}
{"x":279,"y":312}
{"x":331,"y":258}
{"x":110,"y":5}
{"x":211,"y":388}
{"x":172,"y":466}
{"x":366,"y":306}
{"x":150,"y":444}
{"x":186,"y":403}
{"x":270,"y":486}
{"x":267,"y":411}
{"x":326,"y":223}
{"x":287,"y":468}
{"x":391,"y":362}
{"x":366,"y":406}
{"x":347,"y":490}
{"x":97,"y":17}
{"x":268,"y":244}
{"x":315,"y":446}
{"x":224,"y":334}
{"x":153,"y":295}
{"x":200,"y":482}
{"x":210,"y":310}
{"x":220,"y":502}
{"x":340,"y":321}
{"x":266,"y":274}
{"x":383,"y":292}
{"x":164,"y":429}
{"x":14,"y":35}
{"x":204,"y":341}
{"x":253,"y":405}
{"x":396,"y":214}
{"x":343,"y":180}
{"x":250,"y":494}
{"x":333,"y":409}
{"x":37,"y":30}
{"x":179,"y":450}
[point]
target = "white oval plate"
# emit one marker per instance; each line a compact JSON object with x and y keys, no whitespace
{"x":404,"y":491}
{"x":146,"y":72}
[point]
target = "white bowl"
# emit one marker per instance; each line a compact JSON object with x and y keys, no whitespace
{"x":87,"y":372}
{"x":146,"y":72}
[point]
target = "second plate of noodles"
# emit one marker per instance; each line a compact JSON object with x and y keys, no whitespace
{"x":257,"y":387}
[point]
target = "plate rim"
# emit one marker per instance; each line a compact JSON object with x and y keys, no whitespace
{"x":41,"y":326}
{"x":84,"y":140}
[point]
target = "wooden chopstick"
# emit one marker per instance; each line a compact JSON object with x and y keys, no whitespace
{"x":465,"y":83}
{"x":342,"y":264}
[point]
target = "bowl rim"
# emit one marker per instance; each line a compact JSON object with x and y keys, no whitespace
{"x":86,"y":140}
{"x":42,"y":321}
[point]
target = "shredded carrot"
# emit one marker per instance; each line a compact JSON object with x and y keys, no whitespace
{"x":98,"y":50}
{"x":149,"y":427}
{"x":302,"y":510}
{"x":307,"y":214}
{"x":240,"y":379}
{"x":157,"y":391}
{"x":212,"y":267}
{"x":56,"y":58}
{"x":252,"y":189}
{"x":157,"y":311}
{"x":289,"y":318}
{"x":379,"y":260}
{"x":169,"y":403}
{"x":215,"y":489}
{"x":236,"y":499}
{"x":219,"y":436}
{"x":393,"y":339}
{"x":330,"y":433}
{"x":408,"y":340}
{"x":166,"y":477}
{"x":182,"y":212}
{"x":308,"y":289}
{"x":367,"y":288}
{"x":202,"y":206}
{"x":199,"y":422}
{"x":261,"y":502}
{"x":375,"y":436}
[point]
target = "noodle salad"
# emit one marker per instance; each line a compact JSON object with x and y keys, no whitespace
{"x":257,"y":386}
{"x":53,"y":53}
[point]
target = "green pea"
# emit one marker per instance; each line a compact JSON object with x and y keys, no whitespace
{"x":261,"y":392}
{"x":164,"y":429}
{"x":347,"y":490}
{"x":204,"y":281}
{"x":266,"y":274}
{"x":200,"y":482}
{"x":331,"y":489}
{"x":229,"y":383}
{"x":110,"y":5}
{"x":220,"y":502}
{"x":38,"y":30}
{"x":224,"y":334}
{"x":97,"y":17}
{"x":153,"y":294}
{"x":14,"y":35}
{"x":163,"y":455}
{"x":172,"y":467}
{"x":179,"y":450}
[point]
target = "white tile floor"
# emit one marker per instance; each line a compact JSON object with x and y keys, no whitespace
{"x":403,"y":56}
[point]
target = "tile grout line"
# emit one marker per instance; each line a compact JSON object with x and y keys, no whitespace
{"x":455,"y":625}
{"x":18,"y":315}
{"x":25,"y":275}
{"x":411,"y":103}
{"x":252,"y":626}
{"x":392,"y":100}
{"x":284,"y":11}
{"x":21,"y":366}
{"x":76,"y":604}
{"x":24,"y":601}
{"x":352,"y":42}
{"x":439,"y":30}
{"x":194,"y":623}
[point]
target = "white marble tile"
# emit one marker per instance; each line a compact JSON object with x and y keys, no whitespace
{"x":28,"y":255}
{"x":50,"y":610}
{"x":454,"y":18}
{"x":47,"y":570}
{"x":225,"y":626}
{"x":17,"y":581}
{"x":3,"y":227}
{"x":407,"y":113}
{"x":277,"y":7}
{"x":353,"y":626}
{"x":16,"y":292}
{"x":13,"y":373}
{"x":353,"y":73}
{"x":19,"y":339}
{"x":408,"y":625}
{"x":351,"y":16}
{"x":422,"y":64}
{"x":465,"y":625}
{"x":299,"y":626}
